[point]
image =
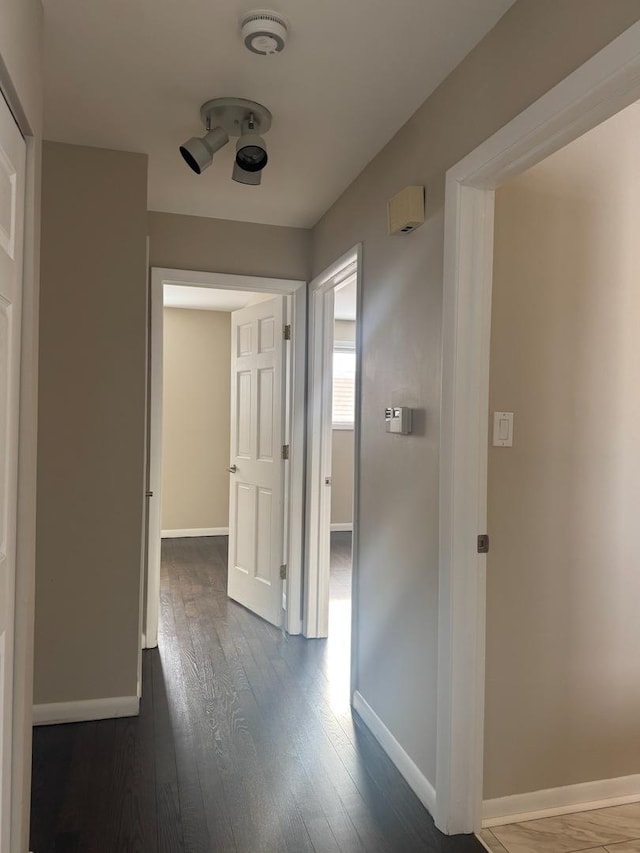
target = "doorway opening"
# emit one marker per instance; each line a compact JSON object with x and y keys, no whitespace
{"x":598,"y":90}
{"x":341,"y":473}
{"x":560,"y":587}
{"x":560,"y":582}
{"x":226,"y":433}
{"x":332,"y":454}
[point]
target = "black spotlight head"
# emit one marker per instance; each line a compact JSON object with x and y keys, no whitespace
{"x":199,"y":150}
{"x":251,"y":153}
{"x":190,"y":160}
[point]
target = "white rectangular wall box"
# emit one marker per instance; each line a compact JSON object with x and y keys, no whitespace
{"x":398,"y":420}
{"x":503,"y":429}
{"x":405,"y":211}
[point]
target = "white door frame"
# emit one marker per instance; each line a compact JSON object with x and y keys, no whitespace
{"x":22,"y":716}
{"x":319,"y":436}
{"x":14,"y":165}
{"x":605,"y":84}
{"x":294,"y":432}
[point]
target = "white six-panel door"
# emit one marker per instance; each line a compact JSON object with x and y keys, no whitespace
{"x":256,"y":493}
{"x":12,"y":187}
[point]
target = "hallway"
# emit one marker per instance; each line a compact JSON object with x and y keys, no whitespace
{"x":245,"y":743}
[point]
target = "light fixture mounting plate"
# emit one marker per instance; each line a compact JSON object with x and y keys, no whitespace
{"x":231,"y":114}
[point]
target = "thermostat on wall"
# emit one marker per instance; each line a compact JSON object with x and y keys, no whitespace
{"x":405,"y":211}
{"x":398,"y":419}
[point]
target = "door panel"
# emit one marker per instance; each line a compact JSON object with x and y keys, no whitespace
{"x":243,"y":420}
{"x":256,"y":526}
{"x":267,"y":334}
{"x":244,"y":546}
{"x":12,"y":174}
{"x":266,"y":385}
{"x":263,"y":528}
{"x":245,"y":338}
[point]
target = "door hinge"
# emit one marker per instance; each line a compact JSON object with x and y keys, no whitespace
{"x":283,"y":572}
{"x":285,"y":451}
{"x":483,"y":543}
{"x":286,"y":332}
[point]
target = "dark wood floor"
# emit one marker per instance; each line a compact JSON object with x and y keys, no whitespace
{"x":245,"y":741}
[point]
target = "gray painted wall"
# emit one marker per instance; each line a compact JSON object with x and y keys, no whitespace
{"x":239,"y":248}
{"x":535,"y":45}
{"x":91,"y":423}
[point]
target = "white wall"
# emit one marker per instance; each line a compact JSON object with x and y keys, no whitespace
{"x":563,"y":634}
{"x":196,"y":419}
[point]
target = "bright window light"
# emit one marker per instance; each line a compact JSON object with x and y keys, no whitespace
{"x":344,"y":381}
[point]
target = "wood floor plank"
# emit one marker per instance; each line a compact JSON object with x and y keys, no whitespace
{"x":245,"y":742}
{"x":52,"y":760}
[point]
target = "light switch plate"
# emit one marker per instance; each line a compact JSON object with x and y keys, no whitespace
{"x":503,"y":429}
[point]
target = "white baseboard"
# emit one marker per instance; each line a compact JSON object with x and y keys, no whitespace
{"x":341,"y":526}
{"x":148,"y":645}
{"x":195,"y":531}
{"x":84,"y":710}
{"x":556,"y":801}
{"x":414,"y":777}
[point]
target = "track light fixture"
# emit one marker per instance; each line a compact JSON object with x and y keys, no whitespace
{"x":223,"y":118}
{"x":199,"y":150}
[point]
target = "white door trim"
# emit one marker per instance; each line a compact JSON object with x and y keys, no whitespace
{"x":21,"y":735}
{"x":13,"y":167}
{"x":319,"y":434}
{"x":606,"y":83}
{"x":321,"y":310}
{"x":294,"y":431}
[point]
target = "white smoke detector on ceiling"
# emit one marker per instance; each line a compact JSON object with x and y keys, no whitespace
{"x":264,"y":32}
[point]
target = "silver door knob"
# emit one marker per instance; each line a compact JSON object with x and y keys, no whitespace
{"x":232,"y":469}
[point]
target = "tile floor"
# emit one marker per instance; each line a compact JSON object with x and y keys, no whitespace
{"x":611,"y":830}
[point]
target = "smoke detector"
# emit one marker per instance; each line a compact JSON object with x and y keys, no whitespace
{"x":264,"y":32}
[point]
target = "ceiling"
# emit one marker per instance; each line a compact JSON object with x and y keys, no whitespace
{"x":132,"y":74}
{"x":208,"y":298}
{"x":212,"y":299}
